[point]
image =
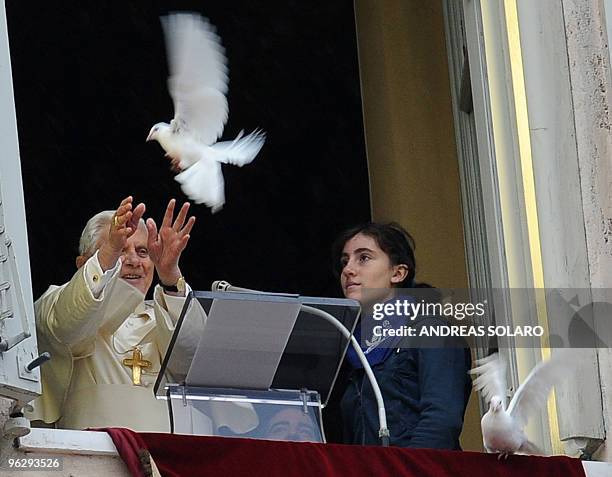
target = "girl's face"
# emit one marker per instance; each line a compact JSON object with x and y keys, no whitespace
{"x":366,"y":266}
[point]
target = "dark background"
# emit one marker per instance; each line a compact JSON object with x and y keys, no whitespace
{"x":90,"y":81}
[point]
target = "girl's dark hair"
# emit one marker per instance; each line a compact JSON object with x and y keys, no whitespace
{"x":392,"y":238}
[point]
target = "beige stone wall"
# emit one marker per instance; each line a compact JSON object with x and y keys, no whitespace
{"x":414,"y":176}
{"x":591,"y":79}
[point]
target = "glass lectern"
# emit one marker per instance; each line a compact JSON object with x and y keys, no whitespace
{"x":261,"y":365}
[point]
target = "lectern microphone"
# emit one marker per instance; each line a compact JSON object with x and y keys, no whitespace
{"x":222,"y":285}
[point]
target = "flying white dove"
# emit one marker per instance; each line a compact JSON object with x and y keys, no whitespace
{"x":198,"y":85}
{"x":502,"y":428}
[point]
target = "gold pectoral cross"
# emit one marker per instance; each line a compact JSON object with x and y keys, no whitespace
{"x":136,"y":363}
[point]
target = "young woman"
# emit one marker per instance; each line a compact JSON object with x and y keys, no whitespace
{"x":425,"y":390}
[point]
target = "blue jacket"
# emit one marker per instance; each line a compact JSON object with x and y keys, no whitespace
{"x":425,"y":390}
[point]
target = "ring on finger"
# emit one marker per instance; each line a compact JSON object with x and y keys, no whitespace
{"x":115,"y":221}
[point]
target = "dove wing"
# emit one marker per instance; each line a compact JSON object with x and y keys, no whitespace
{"x":491,"y":377}
{"x":533,"y":393}
{"x":198,"y":76}
{"x":241,"y":150}
{"x":203,"y":183}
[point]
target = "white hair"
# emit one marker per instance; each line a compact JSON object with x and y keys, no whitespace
{"x":92,"y":233}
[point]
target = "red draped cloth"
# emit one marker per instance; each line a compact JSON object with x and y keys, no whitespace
{"x":181,"y":455}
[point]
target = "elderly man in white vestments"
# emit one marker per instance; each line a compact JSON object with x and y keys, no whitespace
{"x":107,"y":343}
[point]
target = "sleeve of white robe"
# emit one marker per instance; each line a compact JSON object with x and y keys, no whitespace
{"x":67,"y":320}
{"x":168,"y":309}
{"x":91,"y":300}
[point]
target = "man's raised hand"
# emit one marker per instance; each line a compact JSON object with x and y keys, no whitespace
{"x":166,"y":246}
{"x":123,"y":225}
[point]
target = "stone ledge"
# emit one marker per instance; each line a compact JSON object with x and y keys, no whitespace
{"x":68,"y":442}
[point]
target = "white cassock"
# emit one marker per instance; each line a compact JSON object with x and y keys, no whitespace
{"x":93,"y":323}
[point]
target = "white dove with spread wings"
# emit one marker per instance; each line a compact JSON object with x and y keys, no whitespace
{"x":502,"y":428}
{"x":198,"y":87}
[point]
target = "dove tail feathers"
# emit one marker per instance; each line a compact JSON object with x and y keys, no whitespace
{"x":203,"y":183}
{"x":241,"y":150}
{"x":240,"y":134}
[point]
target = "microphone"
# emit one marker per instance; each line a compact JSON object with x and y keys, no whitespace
{"x":223,"y":286}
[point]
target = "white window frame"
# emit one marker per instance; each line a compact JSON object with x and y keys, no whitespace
{"x":508,"y":173}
